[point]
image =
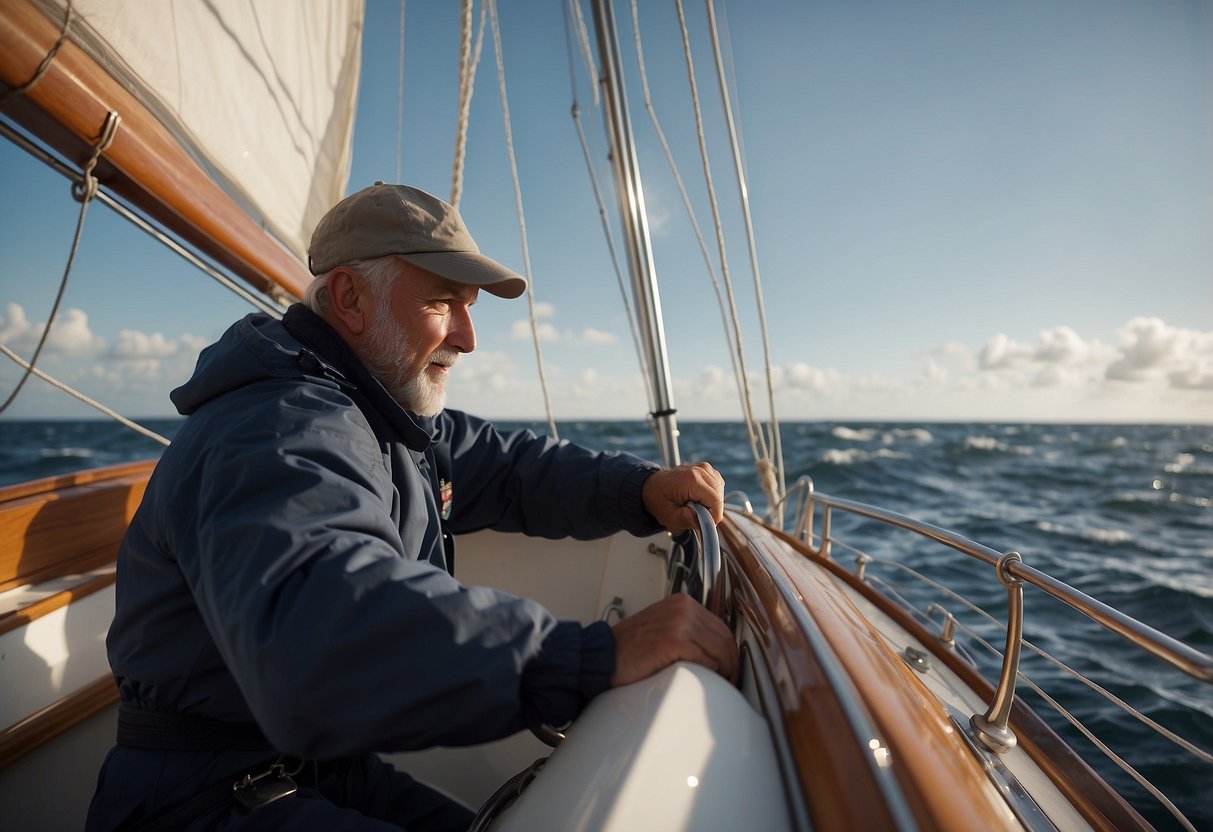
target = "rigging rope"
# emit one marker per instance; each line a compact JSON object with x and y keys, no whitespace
{"x":575,"y":111}
{"x":400,"y":98}
{"x":743,"y":189}
{"x":491,"y":9}
{"x":729,"y":331}
{"x":151,"y":434}
{"x":469,"y":59}
{"x":761,"y":449}
{"x":84,"y":191}
{"x":46,"y":61}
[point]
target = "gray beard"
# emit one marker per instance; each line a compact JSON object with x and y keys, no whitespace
{"x":387,"y":343}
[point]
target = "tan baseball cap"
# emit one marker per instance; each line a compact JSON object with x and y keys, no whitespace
{"x":417,"y":226}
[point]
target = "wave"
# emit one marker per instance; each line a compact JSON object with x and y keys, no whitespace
{"x":850,"y":434}
{"x":852,"y":456}
{"x":988,"y":444}
{"x":1107,"y":537}
{"x":888,"y":437}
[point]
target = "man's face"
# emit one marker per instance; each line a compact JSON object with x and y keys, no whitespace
{"x":420,"y":326}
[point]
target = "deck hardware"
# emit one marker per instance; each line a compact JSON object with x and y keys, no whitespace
{"x":616,"y":606}
{"x":745,"y":500}
{"x":861,"y":564}
{"x":660,"y":551}
{"x":991,"y":728}
{"x":947,"y":633}
{"x":825,"y":532}
{"x":507,"y":793}
{"x":917,"y":659}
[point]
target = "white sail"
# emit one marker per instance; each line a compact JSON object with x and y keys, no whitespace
{"x":263,"y":92}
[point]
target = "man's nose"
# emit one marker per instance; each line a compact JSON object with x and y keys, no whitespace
{"x":462,"y":335}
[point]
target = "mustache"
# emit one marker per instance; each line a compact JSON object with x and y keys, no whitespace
{"x":445,"y":357}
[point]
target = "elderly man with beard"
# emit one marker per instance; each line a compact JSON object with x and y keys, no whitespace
{"x":286,"y":605}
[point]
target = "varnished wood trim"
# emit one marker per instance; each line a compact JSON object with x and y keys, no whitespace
{"x":842,"y":794}
{"x":77,"y":528}
{"x":1093,"y":798}
{"x":19,"y":618}
{"x":62,"y":481}
{"x":145,"y":164}
{"x":37,"y":729}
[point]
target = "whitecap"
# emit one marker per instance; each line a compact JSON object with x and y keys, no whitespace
{"x":79,"y":453}
{"x":989,"y":443}
{"x":921,"y":435}
{"x":1109,"y":537}
{"x":850,"y":434}
{"x":848,"y":457}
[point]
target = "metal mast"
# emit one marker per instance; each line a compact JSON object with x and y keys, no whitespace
{"x":630,"y":196}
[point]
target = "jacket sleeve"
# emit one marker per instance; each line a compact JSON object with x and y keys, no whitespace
{"x":520,"y":482}
{"x":339,"y":639}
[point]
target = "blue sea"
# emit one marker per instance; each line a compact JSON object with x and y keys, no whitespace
{"x":1121,"y":512}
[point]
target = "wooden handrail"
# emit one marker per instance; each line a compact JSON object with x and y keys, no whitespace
{"x":67,"y":525}
{"x":37,"y":729}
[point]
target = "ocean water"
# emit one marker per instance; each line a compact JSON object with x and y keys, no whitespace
{"x":1121,"y":512}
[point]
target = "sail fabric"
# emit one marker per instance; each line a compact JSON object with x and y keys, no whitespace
{"x":262,"y":92}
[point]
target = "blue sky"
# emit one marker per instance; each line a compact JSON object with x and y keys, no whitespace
{"x":974,"y":211}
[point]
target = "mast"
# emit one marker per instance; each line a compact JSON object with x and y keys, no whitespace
{"x":630,"y":196}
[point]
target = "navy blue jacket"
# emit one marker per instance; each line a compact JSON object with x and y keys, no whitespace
{"x":287,"y":565}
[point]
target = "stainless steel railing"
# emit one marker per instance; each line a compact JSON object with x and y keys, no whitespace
{"x":1170,"y":650}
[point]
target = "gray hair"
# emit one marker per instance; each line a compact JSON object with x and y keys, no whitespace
{"x":380,"y":272}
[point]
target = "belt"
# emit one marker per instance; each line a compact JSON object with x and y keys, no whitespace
{"x":138,"y":728}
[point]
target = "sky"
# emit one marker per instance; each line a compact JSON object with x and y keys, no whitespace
{"x":973,"y":211}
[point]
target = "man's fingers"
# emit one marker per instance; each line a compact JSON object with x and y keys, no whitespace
{"x":674,"y":629}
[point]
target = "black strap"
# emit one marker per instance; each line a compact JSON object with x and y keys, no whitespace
{"x":138,"y":728}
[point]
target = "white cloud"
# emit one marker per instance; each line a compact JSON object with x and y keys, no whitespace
{"x":132,"y":344}
{"x":70,"y":336}
{"x":543,"y":309}
{"x":1150,"y":349}
{"x":1001,"y":353}
{"x":521,"y":331}
{"x":596,"y":337}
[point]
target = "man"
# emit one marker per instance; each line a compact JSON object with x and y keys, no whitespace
{"x":285,"y":599}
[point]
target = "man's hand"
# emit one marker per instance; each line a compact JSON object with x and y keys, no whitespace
{"x":673,"y":629}
{"x":667,"y":492}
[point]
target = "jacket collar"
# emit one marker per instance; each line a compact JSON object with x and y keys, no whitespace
{"x":388,"y":419}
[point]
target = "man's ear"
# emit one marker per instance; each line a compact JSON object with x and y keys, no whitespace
{"x":349,"y":300}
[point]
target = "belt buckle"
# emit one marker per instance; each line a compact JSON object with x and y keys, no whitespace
{"x":274,"y":783}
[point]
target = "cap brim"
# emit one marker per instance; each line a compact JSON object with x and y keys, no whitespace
{"x":471,"y":268}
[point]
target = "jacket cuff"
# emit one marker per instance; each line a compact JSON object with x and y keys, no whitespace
{"x":628,"y":504}
{"x":573,"y":666}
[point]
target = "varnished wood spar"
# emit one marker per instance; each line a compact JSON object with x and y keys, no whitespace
{"x":37,"y":729}
{"x":67,"y":525}
{"x":145,"y":164}
{"x":1099,"y":805}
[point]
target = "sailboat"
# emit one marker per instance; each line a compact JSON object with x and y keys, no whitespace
{"x":855,"y":709}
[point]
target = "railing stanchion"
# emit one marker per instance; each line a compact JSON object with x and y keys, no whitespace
{"x":991,"y":728}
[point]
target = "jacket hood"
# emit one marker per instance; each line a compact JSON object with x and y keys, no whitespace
{"x":301,"y":347}
{"x":254,"y":348}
